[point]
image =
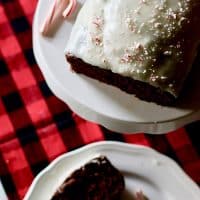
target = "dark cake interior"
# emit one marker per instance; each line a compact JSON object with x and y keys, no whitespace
{"x":96,"y":180}
{"x":140,"y":89}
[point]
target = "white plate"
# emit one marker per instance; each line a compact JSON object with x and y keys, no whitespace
{"x":144,"y":169}
{"x":2,"y":192}
{"x":99,"y":102}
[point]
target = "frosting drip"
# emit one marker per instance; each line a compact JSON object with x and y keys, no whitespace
{"x":154,"y":41}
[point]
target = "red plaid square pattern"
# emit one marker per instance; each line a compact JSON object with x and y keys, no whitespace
{"x":25,"y":39}
{"x":10,"y":47}
{"x":3,"y":15}
{"x":13,"y":9}
{"x":7,"y":128}
{"x":35,"y":127}
{"x":17,"y":120}
{"x":5,"y":30}
{"x":7,"y":85}
{"x":23,"y":78}
{"x":28,"y":8}
{"x":50,"y":135}
{"x":38,"y":111}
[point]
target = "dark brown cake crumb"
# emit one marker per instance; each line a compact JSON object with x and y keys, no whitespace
{"x":140,"y":89}
{"x":97,"y":180}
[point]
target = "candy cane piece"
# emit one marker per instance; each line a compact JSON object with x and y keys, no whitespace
{"x":70,"y":8}
{"x":54,"y":13}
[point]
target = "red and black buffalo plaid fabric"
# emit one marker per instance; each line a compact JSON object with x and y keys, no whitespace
{"x":36,"y":127}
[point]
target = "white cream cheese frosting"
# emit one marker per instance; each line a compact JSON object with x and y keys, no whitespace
{"x":153,"y":41}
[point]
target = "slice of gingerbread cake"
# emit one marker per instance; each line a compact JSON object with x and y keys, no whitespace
{"x":96,"y":180}
{"x":144,"y":47}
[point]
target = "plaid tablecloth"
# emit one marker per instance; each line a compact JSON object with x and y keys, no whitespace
{"x":36,"y":127}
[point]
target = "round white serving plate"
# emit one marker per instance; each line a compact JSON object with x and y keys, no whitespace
{"x":144,"y":169}
{"x":99,"y":102}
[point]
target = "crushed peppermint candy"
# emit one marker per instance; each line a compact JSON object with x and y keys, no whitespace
{"x":130,"y":24}
{"x":98,"y":22}
{"x":97,"y":40}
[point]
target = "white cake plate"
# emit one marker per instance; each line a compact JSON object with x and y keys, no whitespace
{"x":99,"y":102}
{"x":159,"y":177}
{"x":2,"y":192}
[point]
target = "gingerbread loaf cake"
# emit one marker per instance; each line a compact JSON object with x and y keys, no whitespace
{"x":143,"y":47}
{"x":96,"y":180}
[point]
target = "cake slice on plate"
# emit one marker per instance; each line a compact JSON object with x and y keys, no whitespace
{"x":96,"y":180}
{"x":144,"y":47}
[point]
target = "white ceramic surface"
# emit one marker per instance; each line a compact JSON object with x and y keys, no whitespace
{"x":99,"y":102}
{"x":2,"y":192}
{"x":144,"y":169}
